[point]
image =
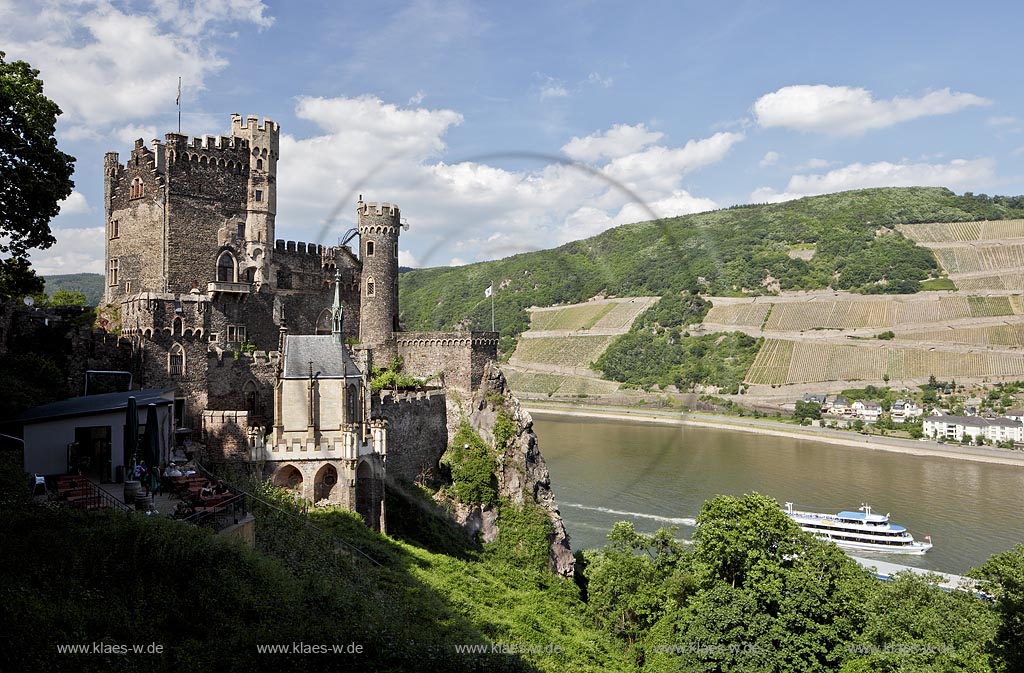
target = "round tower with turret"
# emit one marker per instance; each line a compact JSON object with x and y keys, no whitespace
{"x":379,"y":226}
{"x":261,"y":201}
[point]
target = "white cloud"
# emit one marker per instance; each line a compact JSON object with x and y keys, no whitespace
{"x":406,"y":258}
{"x":769,"y":159}
{"x":417,"y":98}
{"x":958,"y":173}
{"x":618,"y":141}
{"x":842,"y":110}
{"x":191,"y":18}
{"x":469,"y":210}
{"x":815,"y":164}
{"x":598,"y":79}
{"x":128,"y":134}
{"x":75,"y":204}
{"x":1001,"y":121}
{"x":103,"y":65}
{"x":78,"y":250}
{"x":551,"y":87}
{"x":657,"y":170}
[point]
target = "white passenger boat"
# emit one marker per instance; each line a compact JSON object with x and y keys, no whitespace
{"x":860,"y":530}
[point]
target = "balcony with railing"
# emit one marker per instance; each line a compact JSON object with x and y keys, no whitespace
{"x":224,"y":286}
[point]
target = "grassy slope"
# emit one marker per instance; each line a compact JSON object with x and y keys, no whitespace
{"x":730,"y":248}
{"x":83,"y":578}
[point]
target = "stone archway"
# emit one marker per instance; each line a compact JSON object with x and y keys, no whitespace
{"x":288,"y":477}
{"x":325,"y":485}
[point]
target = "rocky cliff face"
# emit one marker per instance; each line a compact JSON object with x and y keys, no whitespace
{"x":522,"y":474}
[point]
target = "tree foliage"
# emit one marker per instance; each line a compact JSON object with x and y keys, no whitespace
{"x":34,"y":175}
{"x":755,"y":593}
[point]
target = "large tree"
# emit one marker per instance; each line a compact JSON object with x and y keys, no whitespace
{"x":35,"y":176}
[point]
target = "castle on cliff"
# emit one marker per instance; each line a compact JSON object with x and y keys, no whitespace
{"x":269,"y":344}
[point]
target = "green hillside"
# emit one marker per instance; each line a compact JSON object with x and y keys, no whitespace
{"x":89,"y":284}
{"x":734,"y":250}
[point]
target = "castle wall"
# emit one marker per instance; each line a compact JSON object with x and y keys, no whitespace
{"x":417,"y":433}
{"x":461,"y":356}
{"x":134,"y":221}
{"x":226,"y":435}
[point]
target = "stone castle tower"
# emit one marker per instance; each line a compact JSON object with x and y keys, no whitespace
{"x":379,"y":227}
{"x":261,"y":196}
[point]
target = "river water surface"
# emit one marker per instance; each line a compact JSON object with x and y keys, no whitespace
{"x":657,"y":475}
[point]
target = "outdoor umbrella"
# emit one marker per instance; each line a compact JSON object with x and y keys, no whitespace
{"x":131,"y":437}
{"x":151,"y":439}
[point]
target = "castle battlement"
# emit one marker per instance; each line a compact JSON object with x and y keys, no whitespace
{"x":373,"y":208}
{"x":299,"y":247}
{"x":252,"y":123}
{"x":410,"y":397}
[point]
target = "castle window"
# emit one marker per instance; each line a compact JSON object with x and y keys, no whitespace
{"x":113,"y":229}
{"x":176,"y":361}
{"x":236,"y":333}
{"x":259,"y":164}
{"x":226,"y":268}
{"x":350,"y":404}
{"x":241,"y":230}
{"x":177,"y":326}
{"x":369,"y":287}
{"x":251,"y":397}
{"x":214,"y":336}
{"x":136,"y":189}
{"x":369,"y":248}
{"x":250,"y":275}
{"x":259,"y":194}
{"x":396,"y":250}
{"x":113,"y":272}
{"x":127,"y":287}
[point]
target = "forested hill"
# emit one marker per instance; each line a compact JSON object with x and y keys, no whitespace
{"x":754,"y":248}
{"x":89,"y":284}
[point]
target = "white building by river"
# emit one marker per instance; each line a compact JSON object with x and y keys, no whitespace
{"x":955,"y":428}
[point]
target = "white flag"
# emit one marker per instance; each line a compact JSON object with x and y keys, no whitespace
{"x":177,"y":101}
{"x":489,"y":291}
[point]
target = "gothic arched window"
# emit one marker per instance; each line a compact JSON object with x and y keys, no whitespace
{"x":259,"y":164}
{"x":176,"y":361}
{"x":251,"y":397}
{"x":226,"y":268}
{"x":370,"y":287}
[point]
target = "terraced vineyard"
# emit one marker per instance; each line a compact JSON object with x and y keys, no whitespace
{"x":884,"y":313}
{"x":746,"y":315}
{"x":557,"y":384}
{"x":1004,"y":281}
{"x":611,"y":314}
{"x":998,"y":335}
{"x":772,"y":362}
{"x":950,"y":232}
{"x":798,"y":362}
{"x":975,"y":258}
{"x":567,"y":351}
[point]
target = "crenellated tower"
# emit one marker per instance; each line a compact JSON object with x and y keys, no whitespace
{"x":261,"y":200}
{"x":379,"y":226}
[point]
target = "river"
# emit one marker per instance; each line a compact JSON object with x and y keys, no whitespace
{"x":605,"y":471}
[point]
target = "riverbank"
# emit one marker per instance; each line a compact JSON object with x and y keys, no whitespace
{"x":767,"y":427}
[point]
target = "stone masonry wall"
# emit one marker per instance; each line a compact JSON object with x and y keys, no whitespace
{"x":417,"y":433}
{"x":461,"y":356}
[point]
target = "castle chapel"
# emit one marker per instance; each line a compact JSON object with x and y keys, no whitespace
{"x":269,"y":343}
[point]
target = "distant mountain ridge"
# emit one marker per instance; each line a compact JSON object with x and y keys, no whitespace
{"x":89,"y":284}
{"x":845,"y":240}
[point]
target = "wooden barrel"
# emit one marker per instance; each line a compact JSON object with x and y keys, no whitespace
{"x":143,"y":502}
{"x":132,"y":488}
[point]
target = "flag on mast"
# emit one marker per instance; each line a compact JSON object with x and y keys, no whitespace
{"x":489,"y":291}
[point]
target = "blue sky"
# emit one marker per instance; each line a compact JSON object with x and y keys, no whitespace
{"x":448,"y":108}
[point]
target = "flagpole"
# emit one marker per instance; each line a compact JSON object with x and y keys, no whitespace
{"x":179,"y":104}
{"x":492,"y":306}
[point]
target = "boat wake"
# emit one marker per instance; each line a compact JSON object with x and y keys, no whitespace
{"x":678,"y":521}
